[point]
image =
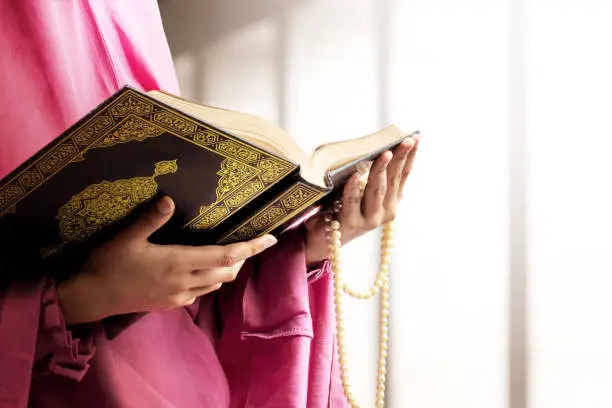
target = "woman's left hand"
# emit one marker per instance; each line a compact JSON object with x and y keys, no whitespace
{"x":365,"y":212}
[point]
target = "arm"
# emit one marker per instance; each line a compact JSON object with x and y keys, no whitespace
{"x":48,"y":329}
{"x":35,"y":340}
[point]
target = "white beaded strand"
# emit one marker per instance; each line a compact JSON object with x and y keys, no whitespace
{"x":381,"y":284}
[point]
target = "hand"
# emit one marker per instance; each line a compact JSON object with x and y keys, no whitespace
{"x":129,"y":274}
{"x":363,"y":213}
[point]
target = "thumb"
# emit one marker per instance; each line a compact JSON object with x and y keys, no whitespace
{"x":151,"y":221}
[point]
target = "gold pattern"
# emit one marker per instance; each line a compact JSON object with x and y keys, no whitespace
{"x":206,"y":137}
{"x":102,"y":204}
{"x":174,"y":122}
{"x":236,"y":151}
{"x":132,"y":103}
{"x":134,"y":112}
{"x":57,"y":157}
{"x":78,"y":158}
{"x":272,"y":169}
{"x":88,"y":134}
{"x":133,"y":128}
{"x":282,"y":209}
{"x":233,"y":174}
{"x":210,"y":218}
{"x":267,"y":218}
{"x":246,"y":233}
{"x":205,"y":208}
{"x":295,"y":199}
{"x":30,"y":178}
{"x":9,"y":194}
{"x":245,"y":194}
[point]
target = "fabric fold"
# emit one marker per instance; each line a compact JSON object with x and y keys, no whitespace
{"x":59,"y":350}
{"x":277,"y":343}
{"x":19,"y":310}
{"x":275,"y":302}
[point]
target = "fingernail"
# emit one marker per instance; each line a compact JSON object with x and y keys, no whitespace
{"x":387,"y":158}
{"x":407,"y":145}
{"x":164,"y":206}
{"x":268,"y":241}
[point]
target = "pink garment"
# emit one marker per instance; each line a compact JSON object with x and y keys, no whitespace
{"x":266,"y":340}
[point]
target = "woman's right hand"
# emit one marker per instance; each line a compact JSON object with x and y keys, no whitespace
{"x":129,"y":274}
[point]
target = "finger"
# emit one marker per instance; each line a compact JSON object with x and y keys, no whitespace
{"x":150,"y":221}
{"x":214,"y":276}
{"x":377,"y":187}
{"x":351,"y":202}
{"x":197,"y":292}
{"x":214,"y":256}
{"x":394,"y":174}
{"x":408,"y":165}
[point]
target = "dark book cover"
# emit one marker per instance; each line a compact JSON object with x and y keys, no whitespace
{"x":101,"y":173}
{"x":104,"y":170}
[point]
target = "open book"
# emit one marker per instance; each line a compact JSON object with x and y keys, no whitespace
{"x":315,"y":167}
{"x":233,"y":176}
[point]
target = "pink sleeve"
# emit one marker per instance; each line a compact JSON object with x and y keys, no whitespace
{"x":278,"y":321}
{"x":34,"y":340}
{"x":59,"y":350}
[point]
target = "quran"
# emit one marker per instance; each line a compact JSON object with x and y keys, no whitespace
{"x":233,"y":176}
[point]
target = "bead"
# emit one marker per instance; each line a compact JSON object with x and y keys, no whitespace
{"x":381,"y":284}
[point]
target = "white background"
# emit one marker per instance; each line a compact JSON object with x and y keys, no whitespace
{"x":501,"y":288}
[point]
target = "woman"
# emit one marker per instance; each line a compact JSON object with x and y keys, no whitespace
{"x":266,"y":339}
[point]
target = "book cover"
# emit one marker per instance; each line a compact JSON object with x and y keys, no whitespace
{"x":104,"y":170}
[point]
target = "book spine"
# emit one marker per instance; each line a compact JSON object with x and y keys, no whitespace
{"x":276,"y":214}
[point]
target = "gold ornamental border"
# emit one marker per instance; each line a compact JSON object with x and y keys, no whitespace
{"x":102,"y":129}
{"x":289,"y":204}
